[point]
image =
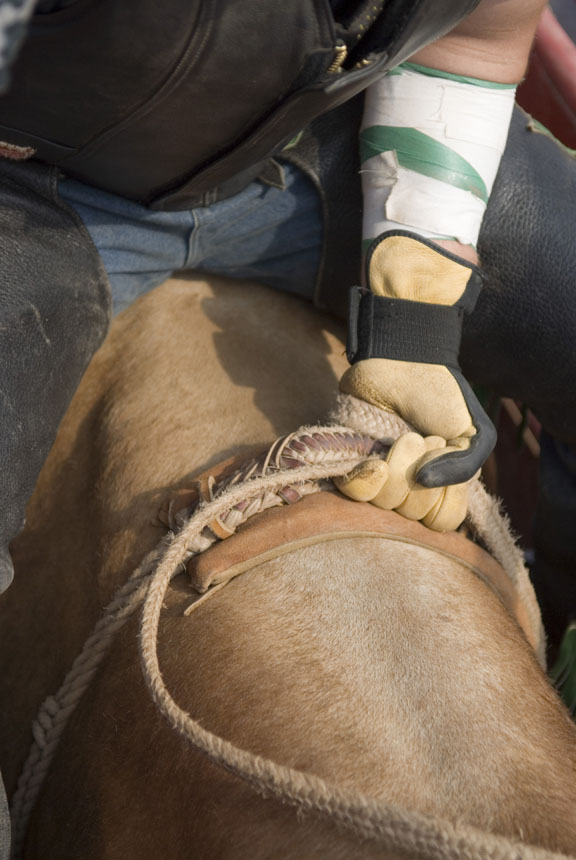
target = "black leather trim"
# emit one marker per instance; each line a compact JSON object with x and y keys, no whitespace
{"x":459,"y":466}
{"x":165,"y":108}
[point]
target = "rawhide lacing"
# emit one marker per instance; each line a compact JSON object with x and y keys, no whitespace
{"x":293,"y":466}
{"x":318,"y":446}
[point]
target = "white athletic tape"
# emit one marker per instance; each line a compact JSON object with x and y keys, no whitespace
{"x":450,"y":117}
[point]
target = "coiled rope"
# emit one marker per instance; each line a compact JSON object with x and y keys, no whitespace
{"x":335,"y":451}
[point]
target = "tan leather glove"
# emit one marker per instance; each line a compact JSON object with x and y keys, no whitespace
{"x":403,"y":342}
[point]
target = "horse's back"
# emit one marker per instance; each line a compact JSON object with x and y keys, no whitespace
{"x":369,"y":663}
{"x":377,"y":666}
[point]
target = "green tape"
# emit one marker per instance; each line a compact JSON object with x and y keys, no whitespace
{"x":563,"y":673}
{"x":462,"y":79}
{"x":419,"y":152}
{"x":294,"y":142}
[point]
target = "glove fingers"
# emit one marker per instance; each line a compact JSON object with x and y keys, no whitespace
{"x":365,"y":481}
{"x":450,"y":510}
{"x":392,"y":484}
{"x":433,"y":443}
{"x":408,"y":449}
{"x":420,"y":500}
{"x":468,"y":453}
{"x":459,"y":464}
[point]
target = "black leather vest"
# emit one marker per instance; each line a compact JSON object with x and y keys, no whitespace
{"x":164,"y":102}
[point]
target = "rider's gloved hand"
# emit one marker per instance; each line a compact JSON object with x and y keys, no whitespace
{"x":403,"y":343}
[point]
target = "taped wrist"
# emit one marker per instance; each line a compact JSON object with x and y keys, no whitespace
{"x":430,"y":147}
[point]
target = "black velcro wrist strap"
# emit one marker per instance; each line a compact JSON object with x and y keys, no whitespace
{"x":403,"y":330}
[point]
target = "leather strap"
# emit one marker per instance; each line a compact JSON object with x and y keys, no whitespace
{"x":330,"y":516}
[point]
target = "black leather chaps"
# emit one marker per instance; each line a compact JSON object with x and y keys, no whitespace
{"x":54,"y":313}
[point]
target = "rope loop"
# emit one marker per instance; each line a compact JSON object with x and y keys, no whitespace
{"x":294,"y":466}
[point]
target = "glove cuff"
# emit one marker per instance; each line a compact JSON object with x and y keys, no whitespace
{"x":402,"y":265}
{"x":381,"y":326}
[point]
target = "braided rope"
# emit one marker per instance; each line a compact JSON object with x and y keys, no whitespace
{"x":394,"y":828}
{"x":323,"y":448}
{"x":56,"y":710}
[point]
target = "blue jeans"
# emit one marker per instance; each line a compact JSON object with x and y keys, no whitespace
{"x":265,"y":233}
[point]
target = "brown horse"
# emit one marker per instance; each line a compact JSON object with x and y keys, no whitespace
{"x":383,"y":667}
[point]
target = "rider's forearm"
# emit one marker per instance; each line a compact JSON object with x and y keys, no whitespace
{"x":432,"y":137}
{"x":493,"y":43}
